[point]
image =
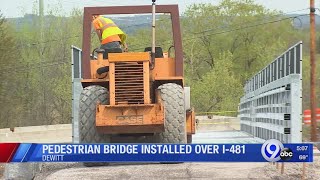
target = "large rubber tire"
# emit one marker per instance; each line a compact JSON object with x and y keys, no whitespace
{"x":172,"y":96}
{"x":88,"y":133}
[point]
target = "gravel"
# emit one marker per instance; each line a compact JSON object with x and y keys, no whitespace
{"x":157,"y":171}
{"x":76,"y":171}
{"x":56,"y":171}
{"x":49,"y":168}
{"x":21,"y":171}
{"x":1,"y":170}
{"x":291,"y":171}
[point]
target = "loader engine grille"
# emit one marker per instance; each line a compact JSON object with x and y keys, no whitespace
{"x":129,"y":83}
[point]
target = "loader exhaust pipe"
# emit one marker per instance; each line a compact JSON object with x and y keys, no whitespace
{"x":153,"y":47}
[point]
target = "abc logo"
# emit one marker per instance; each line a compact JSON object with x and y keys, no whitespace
{"x":271,"y":150}
{"x":286,"y":154}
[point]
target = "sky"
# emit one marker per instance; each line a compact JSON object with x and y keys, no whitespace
{"x":17,"y":8}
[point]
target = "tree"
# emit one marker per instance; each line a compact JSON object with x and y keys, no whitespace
{"x":49,"y":71}
{"x":8,"y":58}
{"x":236,"y":27}
{"x":41,"y":74}
{"x":143,"y":37}
{"x":211,"y":93}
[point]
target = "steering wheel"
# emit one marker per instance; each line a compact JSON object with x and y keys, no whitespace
{"x":93,"y":54}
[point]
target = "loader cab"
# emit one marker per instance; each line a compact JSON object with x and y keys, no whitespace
{"x":134,"y":93}
{"x":171,"y":10}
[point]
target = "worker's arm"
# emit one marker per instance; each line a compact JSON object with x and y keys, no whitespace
{"x":125,"y":46}
{"x":98,"y":31}
{"x":96,"y":27}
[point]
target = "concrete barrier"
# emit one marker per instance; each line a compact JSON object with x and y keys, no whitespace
{"x":218,"y":122}
{"x":61,"y":133}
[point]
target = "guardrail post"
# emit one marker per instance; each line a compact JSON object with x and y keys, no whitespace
{"x":282,"y":168}
{"x":76,"y":55}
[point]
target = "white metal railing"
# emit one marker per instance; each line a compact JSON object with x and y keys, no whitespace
{"x":272,"y":105}
{"x":76,"y":54}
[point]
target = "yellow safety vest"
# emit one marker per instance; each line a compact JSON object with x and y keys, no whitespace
{"x":109,"y":29}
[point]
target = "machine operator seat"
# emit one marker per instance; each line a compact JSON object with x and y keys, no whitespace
{"x":112,"y":50}
{"x":159,"y":52}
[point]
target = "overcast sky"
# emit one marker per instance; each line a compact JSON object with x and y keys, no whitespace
{"x":17,"y":8}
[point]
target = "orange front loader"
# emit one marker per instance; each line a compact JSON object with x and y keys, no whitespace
{"x":134,"y":96}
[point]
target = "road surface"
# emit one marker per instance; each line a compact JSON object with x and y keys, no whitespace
{"x":206,"y":133}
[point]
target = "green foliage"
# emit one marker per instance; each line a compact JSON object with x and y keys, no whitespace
{"x":143,"y":37}
{"x":306,"y":82}
{"x":7,"y":43}
{"x":223,"y":46}
{"x":41,"y":72}
{"x":211,"y":93}
{"x":236,"y":27}
{"x":8,"y":55}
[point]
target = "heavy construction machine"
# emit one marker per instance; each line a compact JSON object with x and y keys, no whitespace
{"x":134,"y":97}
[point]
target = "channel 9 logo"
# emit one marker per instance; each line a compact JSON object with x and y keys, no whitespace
{"x":273,"y":150}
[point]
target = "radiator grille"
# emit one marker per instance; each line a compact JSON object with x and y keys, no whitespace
{"x":129,"y":83}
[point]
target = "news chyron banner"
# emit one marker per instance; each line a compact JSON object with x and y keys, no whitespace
{"x":270,"y":151}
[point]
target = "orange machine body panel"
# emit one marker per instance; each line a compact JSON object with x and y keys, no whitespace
{"x":128,"y":81}
{"x":90,"y":82}
{"x":165,"y":72}
{"x":94,"y":65}
{"x":129,"y":78}
{"x":129,"y":57}
{"x":164,"y":67}
{"x":191,"y":122}
{"x":117,"y":119}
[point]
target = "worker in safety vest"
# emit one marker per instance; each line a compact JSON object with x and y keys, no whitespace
{"x":110,"y":35}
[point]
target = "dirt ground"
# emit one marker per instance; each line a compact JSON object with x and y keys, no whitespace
{"x":1,"y":170}
{"x":181,"y":171}
{"x":55,"y":171}
{"x":184,"y":170}
{"x":291,"y":171}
